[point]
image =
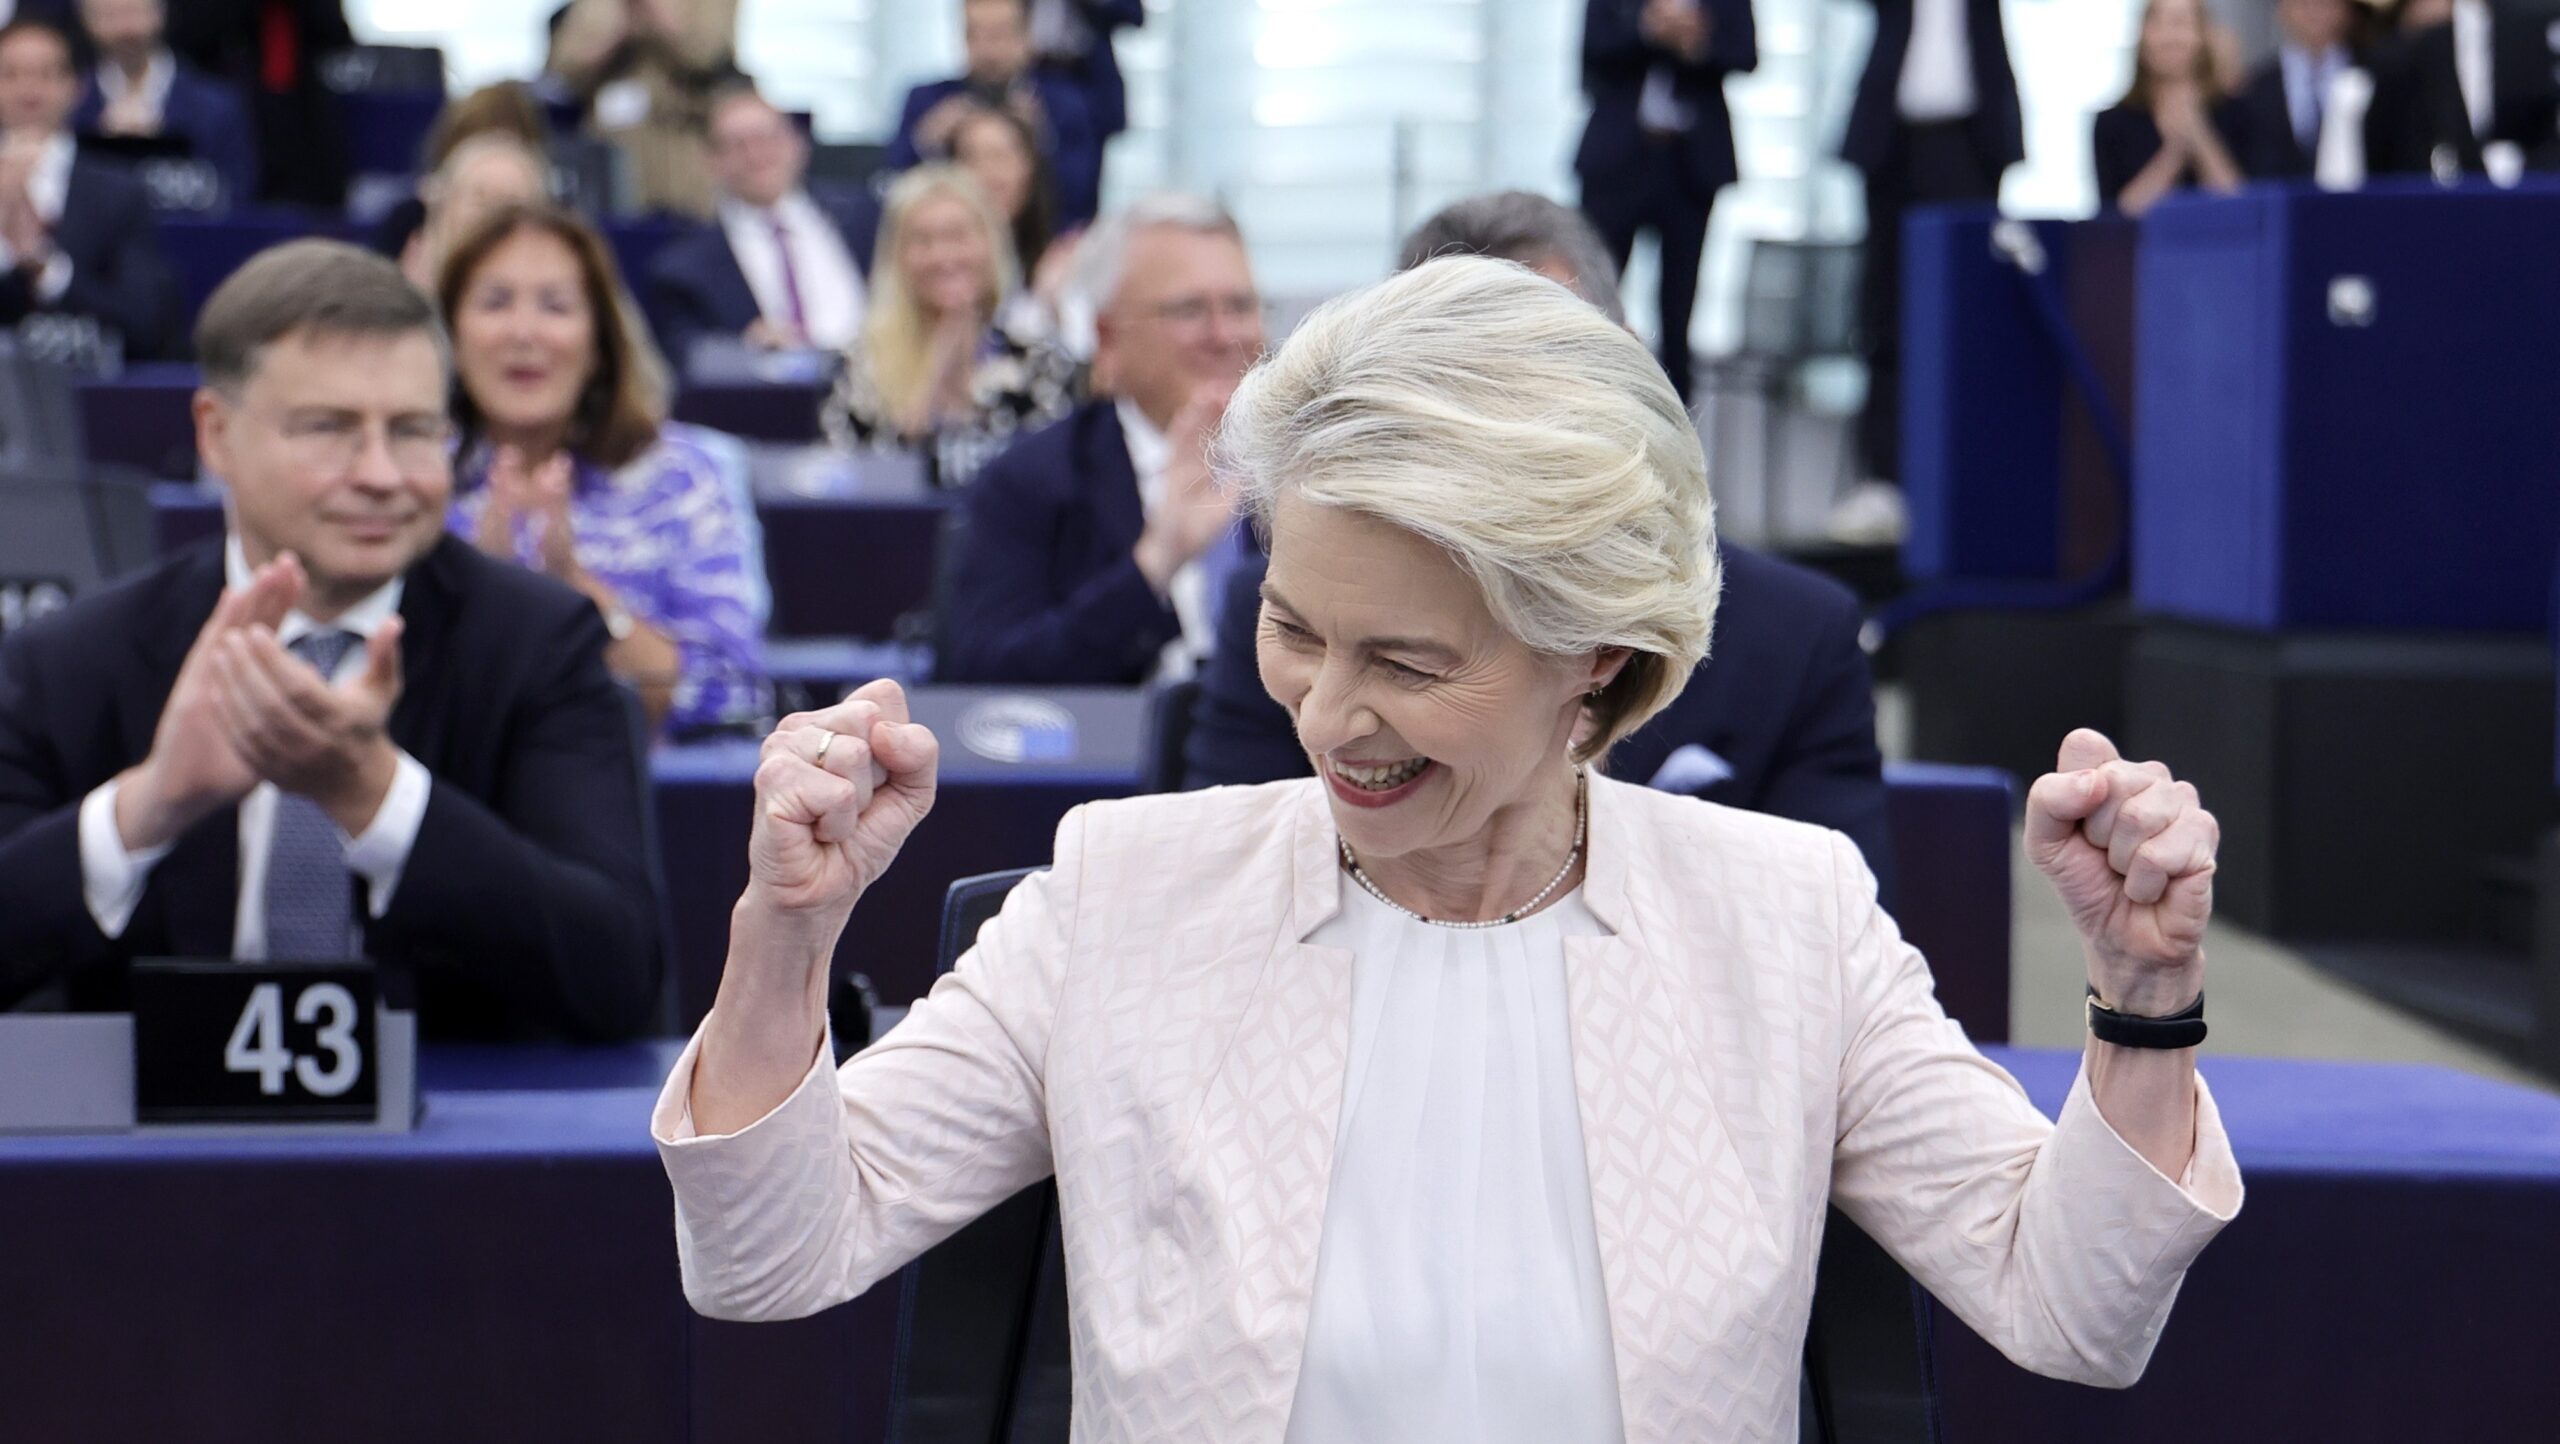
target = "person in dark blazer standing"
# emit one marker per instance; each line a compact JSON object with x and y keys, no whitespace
{"x":996,"y":39}
{"x":77,"y":239}
{"x":1659,"y":143}
{"x":780,"y":267}
{"x":271,"y":51}
{"x":140,"y":87}
{"x":1780,"y":719}
{"x":2286,"y":100}
{"x":1935,"y":120}
{"x":1092,"y":550}
{"x":2445,"y":95}
{"x":338,"y":729}
{"x":1073,"y":39}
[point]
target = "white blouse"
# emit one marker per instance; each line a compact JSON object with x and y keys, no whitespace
{"x":1458,"y":1291}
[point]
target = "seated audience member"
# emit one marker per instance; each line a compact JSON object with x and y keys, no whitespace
{"x":999,"y":151}
{"x":77,"y":238}
{"x":2168,"y":133}
{"x":1781,"y":719}
{"x":508,"y":108}
{"x":484,"y":175}
{"x":643,"y":72}
{"x":336,"y":730}
{"x":936,"y":366}
{"x":1073,"y":40}
{"x":141,"y":88}
{"x":1093,"y":549}
{"x":2287,"y":98}
{"x":997,"y":37}
{"x":570,"y":466}
{"x":779,"y":269}
{"x":2459,"y":82}
{"x":270,"y":51}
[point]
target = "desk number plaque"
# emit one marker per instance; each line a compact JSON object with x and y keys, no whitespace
{"x":223,"y":1042}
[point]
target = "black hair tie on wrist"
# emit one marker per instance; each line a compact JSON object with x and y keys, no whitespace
{"x":2182,"y":1029}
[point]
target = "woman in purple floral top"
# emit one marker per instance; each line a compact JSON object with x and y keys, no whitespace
{"x":570,"y":466}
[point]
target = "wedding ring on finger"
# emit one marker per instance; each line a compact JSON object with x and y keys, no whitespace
{"x":825,"y":740}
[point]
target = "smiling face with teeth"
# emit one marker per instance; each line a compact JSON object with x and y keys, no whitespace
{"x":1442,"y":738}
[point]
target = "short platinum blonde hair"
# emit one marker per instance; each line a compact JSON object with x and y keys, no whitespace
{"x":1494,"y":413}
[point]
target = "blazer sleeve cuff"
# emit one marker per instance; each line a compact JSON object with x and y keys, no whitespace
{"x":671,"y":1120}
{"x":2183,"y":1213}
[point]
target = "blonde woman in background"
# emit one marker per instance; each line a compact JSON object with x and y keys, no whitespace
{"x":938,"y":367}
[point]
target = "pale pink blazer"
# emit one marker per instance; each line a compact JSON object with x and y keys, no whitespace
{"x":1753,"y":1041}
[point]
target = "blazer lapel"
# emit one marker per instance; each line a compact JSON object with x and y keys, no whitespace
{"x":1683,"y":1233}
{"x":1266,"y":1136}
{"x":426,"y":622}
{"x":1112,"y":483}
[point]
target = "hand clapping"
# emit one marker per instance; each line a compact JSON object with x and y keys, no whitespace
{"x":2131,"y":851}
{"x":541,"y":493}
{"x":1196,"y":510}
{"x":244,"y":710}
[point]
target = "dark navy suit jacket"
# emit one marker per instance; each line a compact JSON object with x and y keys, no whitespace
{"x":695,"y":288}
{"x":1075,"y":155}
{"x":205,"y":113}
{"x":1616,"y":57}
{"x":118,"y":275}
{"x":1106,"y":95}
{"x":1997,"y":130}
{"x":525,"y":906}
{"x":2266,"y":147}
{"x":1043,"y":589}
{"x":1786,"y":702}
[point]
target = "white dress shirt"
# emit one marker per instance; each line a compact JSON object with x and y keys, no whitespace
{"x":1149,"y":455}
{"x":830,"y":283}
{"x":1937,"y":68}
{"x":2472,"y":65}
{"x":112,"y":876}
{"x":152,"y":92}
{"x":1458,"y":1290}
{"x":49,"y":190}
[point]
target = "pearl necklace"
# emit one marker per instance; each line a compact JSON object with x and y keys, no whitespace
{"x":1581,"y":820}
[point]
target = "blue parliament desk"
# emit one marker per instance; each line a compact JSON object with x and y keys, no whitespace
{"x":507,"y":1273}
{"x":2390,"y":1276}
{"x":849,"y":541}
{"x":2348,"y":408}
{"x":1013,"y":763}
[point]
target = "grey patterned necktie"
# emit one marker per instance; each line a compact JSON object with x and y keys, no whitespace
{"x":310,"y":893}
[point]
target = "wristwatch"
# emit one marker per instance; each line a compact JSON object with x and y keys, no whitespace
{"x":2182,"y":1029}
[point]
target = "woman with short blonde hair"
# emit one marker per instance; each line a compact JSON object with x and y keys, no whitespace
{"x":1601,"y":532}
{"x":1455,"y":1093}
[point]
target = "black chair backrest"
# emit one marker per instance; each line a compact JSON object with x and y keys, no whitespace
{"x":1169,"y":709}
{"x":982,"y":1350}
